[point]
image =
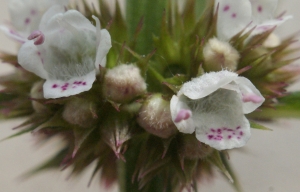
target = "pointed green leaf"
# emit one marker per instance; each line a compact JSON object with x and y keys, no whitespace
{"x":152,"y":12}
{"x":236,"y":184}
{"x":216,"y":160}
{"x":255,"y":125}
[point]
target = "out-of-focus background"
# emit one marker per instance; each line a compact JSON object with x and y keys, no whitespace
{"x":269,"y":163}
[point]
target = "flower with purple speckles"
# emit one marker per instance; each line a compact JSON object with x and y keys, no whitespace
{"x":234,"y":16}
{"x":66,"y":51}
{"x":213,"y":106}
{"x":26,"y":16}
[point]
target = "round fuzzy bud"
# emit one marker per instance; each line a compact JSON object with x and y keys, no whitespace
{"x":155,"y":117}
{"x":191,"y":148}
{"x":36,"y":92}
{"x":272,"y":41}
{"x":123,"y":83}
{"x":220,"y":55}
{"x":78,"y":111}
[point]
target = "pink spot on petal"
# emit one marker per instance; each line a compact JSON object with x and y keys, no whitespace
{"x":226,"y":8}
{"x":33,"y":12}
{"x":183,"y":114}
{"x":241,"y":133}
{"x":210,"y":137}
{"x":84,"y":83}
{"x":54,"y":86}
{"x":27,"y":21}
{"x":233,"y":15}
{"x":238,"y":127}
{"x":259,"y":8}
{"x":229,"y":136}
{"x":212,"y":130}
{"x":239,"y":138}
{"x":252,"y":98}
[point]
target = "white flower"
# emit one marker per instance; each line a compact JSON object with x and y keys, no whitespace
{"x":26,"y":16}
{"x":66,"y":51}
{"x":236,"y":15}
{"x":213,"y":105}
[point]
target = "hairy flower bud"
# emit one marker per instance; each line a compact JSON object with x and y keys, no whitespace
{"x":220,"y":55}
{"x":36,"y":92}
{"x":79,"y":112}
{"x":123,"y":83}
{"x":155,"y":117}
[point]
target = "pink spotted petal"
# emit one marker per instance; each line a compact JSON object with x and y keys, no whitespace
{"x":263,"y":10}
{"x":59,"y":88}
{"x":233,"y":16}
{"x":226,"y":137}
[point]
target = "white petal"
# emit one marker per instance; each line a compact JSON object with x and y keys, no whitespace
{"x":269,"y":24}
{"x":233,"y":16}
{"x":247,"y":88}
{"x":222,"y":138}
{"x":103,"y":48}
{"x":46,"y":19}
{"x":76,"y":85}
{"x":13,"y":34}
{"x":263,"y":10}
{"x":206,"y":84}
{"x":77,"y":20}
{"x":219,"y":120}
{"x":184,"y":126}
{"x":29,"y":57}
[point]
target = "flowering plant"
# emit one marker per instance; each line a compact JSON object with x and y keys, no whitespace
{"x":156,"y":98}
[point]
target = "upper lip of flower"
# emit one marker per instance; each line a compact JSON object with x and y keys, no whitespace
{"x":234,"y":16}
{"x":214,"y":105}
{"x":66,"y":52}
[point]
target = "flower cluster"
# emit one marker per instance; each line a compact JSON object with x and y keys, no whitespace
{"x":169,"y":99}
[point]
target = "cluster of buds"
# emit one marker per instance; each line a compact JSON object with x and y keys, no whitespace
{"x":171,"y":114}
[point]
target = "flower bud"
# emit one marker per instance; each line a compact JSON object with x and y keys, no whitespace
{"x":220,"y":55}
{"x":123,"y":83}
{"x":191,"y":148}
{"x":272,"y":41}
{"x":155,"y":117}
{"x":36,"y":92}
{"x":78,"y":111}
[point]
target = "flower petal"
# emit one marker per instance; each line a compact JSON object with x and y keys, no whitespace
{"x":186,"y":124}
{"x":47,"y":17}
{"x":263,"y":10}
{"x":206,"y":84}
{"x":29,"y":57}
{"x":13,"y":34}
{"x":249,"y":90}
{"x":269,"y":24}
{"x":54,"y":88}
{"x":222,"y":138}
{"x":103,"y":48}
{"x":219,"y":120}
{"x":233,"y":17}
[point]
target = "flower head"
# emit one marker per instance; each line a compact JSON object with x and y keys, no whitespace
{"x":234,"y":16}
{"x":213,"y":105}
{"x":66,"y":51}
{"x":26,"y":16}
